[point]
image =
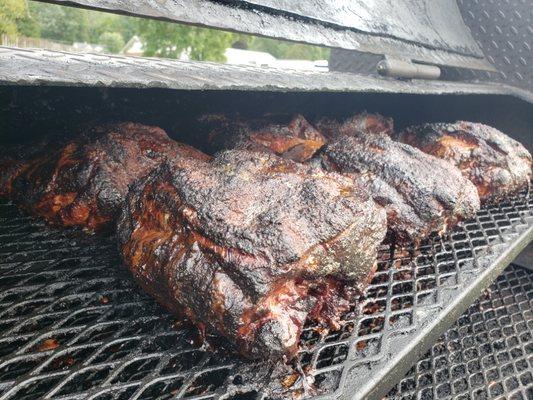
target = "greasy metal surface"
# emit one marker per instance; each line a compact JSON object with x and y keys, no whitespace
{"x":44,"y":67}
{"x":504,"y":30}
{"x":486,"y":354}
{"x":73,"y":324}
{"x":525,"y":259}
{"x":230,"y":15}
{"x":408,"y":20}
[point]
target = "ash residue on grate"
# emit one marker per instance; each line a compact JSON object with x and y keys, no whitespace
{"x":486,"y":354}
{"x":74,"y":325}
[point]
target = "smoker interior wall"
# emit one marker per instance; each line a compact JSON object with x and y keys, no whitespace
{"x":26,"y":112}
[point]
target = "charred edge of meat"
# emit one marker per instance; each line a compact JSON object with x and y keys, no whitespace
{"x":173,"y":259}
{"x":294,"y":139}
{"x":14,"y":159}
{"x":84,"y":182}
{"x":48,"y":187}
{"x":10,"y":170}
{"x":421,"y":193}
{"x":498,"y":165}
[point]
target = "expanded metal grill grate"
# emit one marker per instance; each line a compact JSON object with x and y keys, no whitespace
{"x":74,"y":325}
{"x":486,"y":354}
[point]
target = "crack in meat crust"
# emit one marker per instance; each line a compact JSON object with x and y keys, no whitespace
{"x":421,"y":193}
{"x":250,"y":245}
{"x":498,"y":165}
{"x":84,"y":182}
{"x":295,"y":139}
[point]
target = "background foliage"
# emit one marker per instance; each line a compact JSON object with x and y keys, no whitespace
{"x":162,"y":39}
{"x":11,"y":13}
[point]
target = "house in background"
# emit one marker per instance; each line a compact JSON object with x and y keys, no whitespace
{"x":134,"y":47}
{"x":263,"y":59}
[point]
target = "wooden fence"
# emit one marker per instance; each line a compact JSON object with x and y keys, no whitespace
{"x":22,"y":41}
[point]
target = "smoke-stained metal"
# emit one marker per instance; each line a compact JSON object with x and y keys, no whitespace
{"x":484,"y":355}
{"x":24,"y":67}
{"x":421,"y":30}
{"x":436,"y":24}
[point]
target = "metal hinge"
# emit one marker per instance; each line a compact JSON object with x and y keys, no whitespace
{"x":407,"y":69}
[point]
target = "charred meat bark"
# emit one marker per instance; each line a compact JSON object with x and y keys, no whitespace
{"x":421,"y":193}
{"x":495,"y":163}
{"x":13,"y":160}
{"x":249,"y":245}
{"x":363,"y":123}
{"x":294,"y":139}
{"x":84,"y":182}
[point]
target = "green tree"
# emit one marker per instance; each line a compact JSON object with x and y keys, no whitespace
{"x":61,"y":23}
{"x":100,"y":23}
{"x":112,"y":41}
{"x":164,"y":39}
{"x":29,"y":26}
{"x":11,"y":13}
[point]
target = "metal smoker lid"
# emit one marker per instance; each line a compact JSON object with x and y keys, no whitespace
{"x":427,"y":31}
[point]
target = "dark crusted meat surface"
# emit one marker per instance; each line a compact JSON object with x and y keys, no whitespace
{"x":362,"y":123}
{"x":14,"y":158}
{"x":495,"y":163}
{"x":84,"y":182}
{"x":294,"y":139}
{"x":422,"y":194}
{"x":249,"y":245}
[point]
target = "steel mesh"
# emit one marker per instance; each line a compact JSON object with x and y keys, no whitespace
{"x":486,"y":354}
{"x":74,"y":325}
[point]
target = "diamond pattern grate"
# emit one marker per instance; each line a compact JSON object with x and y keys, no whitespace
{"x":486,"y":354}
{"x":503,"y":31}
{"x":74,"y":325}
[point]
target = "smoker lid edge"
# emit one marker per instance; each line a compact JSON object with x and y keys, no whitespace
{"x":36,"y":67}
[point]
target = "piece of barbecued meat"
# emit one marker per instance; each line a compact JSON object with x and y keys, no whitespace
{"x":363,"y":122}
{"x":495,"y":163}
{"x":291,"y":138}
{"x":84,"y":182}
{"x":422,"y":194}
{"x":12,"y":161}
{"x":250,"y":245}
